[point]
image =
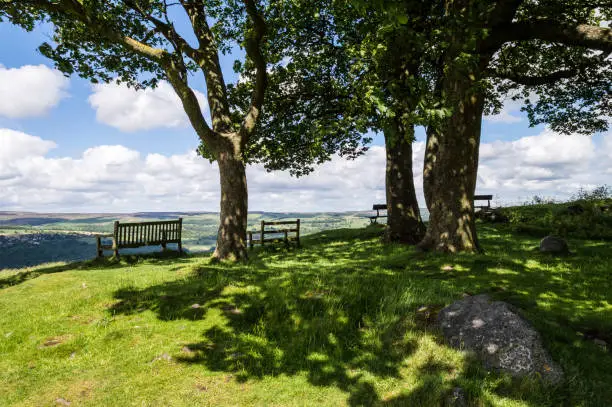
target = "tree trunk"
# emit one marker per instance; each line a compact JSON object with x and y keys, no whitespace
{"x":404,"y":224}
{"x":451,"y":165}
{"x":231,"y":238}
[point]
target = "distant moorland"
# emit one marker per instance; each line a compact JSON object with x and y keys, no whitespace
{"x":28,"y":239}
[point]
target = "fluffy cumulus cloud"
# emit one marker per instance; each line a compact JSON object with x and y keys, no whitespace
{"x":30,"y":90}
{"x":115,"y":178}
{"x":132,"y":110}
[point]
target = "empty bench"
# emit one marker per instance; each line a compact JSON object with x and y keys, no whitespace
{"x":378,"y":208}
{"x":483,"y":198}
{"x":131,"y":235}
{"x":281,"y":231}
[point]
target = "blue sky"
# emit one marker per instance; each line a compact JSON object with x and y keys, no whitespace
{"x":64,"y":141}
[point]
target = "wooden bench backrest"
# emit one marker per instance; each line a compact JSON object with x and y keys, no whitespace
{"x":147,"y":233}
{"x":483,"y":197}
{"x":283,"y":231}
{"x":378,"y":207}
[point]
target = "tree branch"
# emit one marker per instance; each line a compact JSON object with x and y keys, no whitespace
{"x":584,"y":35}
{"x":76,"y":10}
{"x":253,"y":50}
{"x":167,"y":30}
{"x":192,"y":107}
{"x":197,"y":16}
{"x":534,"y":80}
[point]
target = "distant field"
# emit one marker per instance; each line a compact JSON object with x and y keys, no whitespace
{"x":28,"y":239}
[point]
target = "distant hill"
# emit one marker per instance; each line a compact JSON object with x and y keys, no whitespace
{"x":28,"y":239}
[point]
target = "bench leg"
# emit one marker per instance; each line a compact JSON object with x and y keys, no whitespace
{"x":99,"y":246}
{"x":180,"y":247}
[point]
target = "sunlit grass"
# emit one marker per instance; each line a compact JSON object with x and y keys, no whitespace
{"x":333,"y":323}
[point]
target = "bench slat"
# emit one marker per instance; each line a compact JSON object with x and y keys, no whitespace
{"x":267,"y":232}
{"x":483,"y":197}
{"x":281,"y":223}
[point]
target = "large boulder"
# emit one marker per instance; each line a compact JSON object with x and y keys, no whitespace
{"x":499,"y":337}
{"x":553,"y":244}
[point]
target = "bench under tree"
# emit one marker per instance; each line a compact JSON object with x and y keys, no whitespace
{"x":281,"y":231}
{"x":131,"y":235}
{"x":378,"y":208}
{"x":483,"y":198}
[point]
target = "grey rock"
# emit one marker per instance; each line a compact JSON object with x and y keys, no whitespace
{"x":456,"y":398}
{"x":553,"y":244}
{"x":499,"y":337}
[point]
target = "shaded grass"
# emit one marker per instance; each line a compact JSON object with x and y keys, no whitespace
{"x":333,"y":323}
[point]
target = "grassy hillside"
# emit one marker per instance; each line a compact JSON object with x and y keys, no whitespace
{"x":344,"y":320}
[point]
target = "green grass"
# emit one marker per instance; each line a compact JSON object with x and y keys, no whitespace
{"x":333,"y":323}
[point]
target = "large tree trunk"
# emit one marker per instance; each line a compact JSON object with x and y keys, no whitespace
{"x":404,"y":224}
{"x":231,"y":238}
{"x":451,"y":164}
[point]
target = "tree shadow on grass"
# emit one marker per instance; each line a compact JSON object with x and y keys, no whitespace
{"x":566,"y":298}
{"x":337,"y":313}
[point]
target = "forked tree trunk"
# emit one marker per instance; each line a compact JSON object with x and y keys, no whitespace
{"x":404,"y":224}
{"x":451,"y":165}
{"x":231,"y":238}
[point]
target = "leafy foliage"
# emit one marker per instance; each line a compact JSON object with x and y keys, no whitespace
{"x":566,"y":86}
{"x":587,"y":216}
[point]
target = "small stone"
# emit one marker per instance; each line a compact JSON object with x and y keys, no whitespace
{"x":83,"y":285}
{"x":187,"y":350}
{"x":448,"y":268}
{"x":72,"y":355}
{"x":6,"y":335}
{"x":163,"y":356}
{"x":195,"y":306}
{"x":554,"y":245}
{"x":62,"y":402}
{"x":456,"y":398}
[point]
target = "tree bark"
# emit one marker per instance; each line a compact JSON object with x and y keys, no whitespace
{"x":404,"y":224}
{"x":451,"y":166}
{"x":231,"y":238}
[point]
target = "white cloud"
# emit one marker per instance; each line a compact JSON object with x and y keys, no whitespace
{"x":30,"y":90}
{"x":130,"y":110}
{"x":510,"y":112}
{"x":118,"y":179}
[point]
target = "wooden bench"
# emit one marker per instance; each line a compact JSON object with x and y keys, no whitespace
{"x":378,"y":208}
{"x":286,"y":238}
{"x":130,"y":235}
{"x":483,"y":198}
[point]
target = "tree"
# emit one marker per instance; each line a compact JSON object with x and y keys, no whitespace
{"x":550,"y":47}
{"x":349,"y":69}
{"x":137,"y":42}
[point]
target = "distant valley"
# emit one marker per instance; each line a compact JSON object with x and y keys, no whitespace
{"x":28,"y":239}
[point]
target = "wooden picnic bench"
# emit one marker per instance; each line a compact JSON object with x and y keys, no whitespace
{"x":130,"y":235}
{"x":284,"y":231}
{"x":483,"y":198}
{"x":378,"y":208}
